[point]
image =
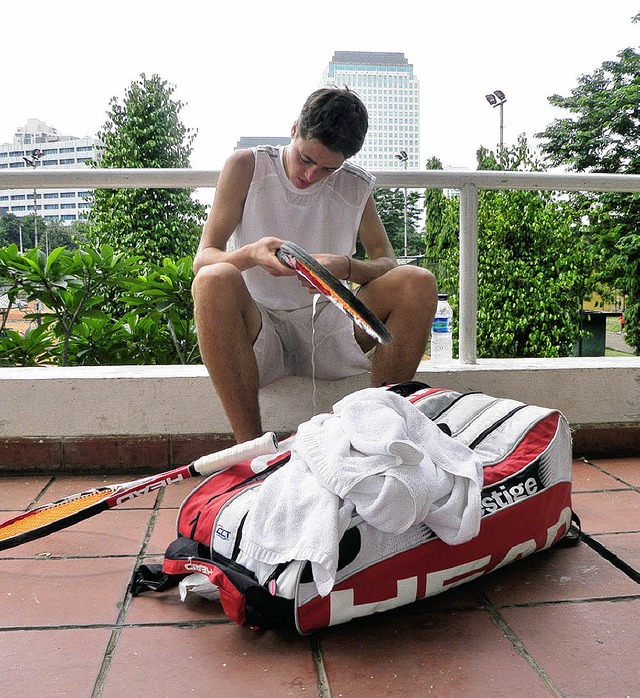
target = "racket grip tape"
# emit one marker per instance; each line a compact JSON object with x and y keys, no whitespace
{"x":263,"y":445}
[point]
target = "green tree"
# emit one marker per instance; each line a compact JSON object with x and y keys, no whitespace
{"x":66,"y":235}
{"x":532,"y":271}
{"x":602,"y":134}
{"x":155,"y":326}
{"x":34,"y":348}
{"x":59,"y":234}
{"x":12,"y":229}
{"x":163,"y":295}
{"x":390,"y":204}
{"x":442,"y":228}
{"x":145,"y":131}
{"x":68,"y":286}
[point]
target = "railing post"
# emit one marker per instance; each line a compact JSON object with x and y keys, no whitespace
{"x":468,"y":308}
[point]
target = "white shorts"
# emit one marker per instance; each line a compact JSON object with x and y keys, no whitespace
{"x":291,"y":343}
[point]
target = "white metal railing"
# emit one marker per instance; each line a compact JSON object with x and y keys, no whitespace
{"x":469,"y":183}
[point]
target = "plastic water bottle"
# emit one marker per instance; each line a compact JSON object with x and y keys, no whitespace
{"x":442,"y":332}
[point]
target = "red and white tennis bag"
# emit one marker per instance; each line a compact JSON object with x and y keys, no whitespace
{"x":526,"y":507}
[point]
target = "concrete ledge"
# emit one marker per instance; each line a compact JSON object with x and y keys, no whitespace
{"x":122,"y":417}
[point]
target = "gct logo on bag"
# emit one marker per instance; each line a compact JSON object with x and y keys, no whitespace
{"x":223,"y":533}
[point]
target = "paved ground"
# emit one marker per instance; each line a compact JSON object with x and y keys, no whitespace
{"x":563,"y":622}
{"x":616,"y":341}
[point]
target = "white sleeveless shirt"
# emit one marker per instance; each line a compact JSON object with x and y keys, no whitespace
{"x":323,"y":218}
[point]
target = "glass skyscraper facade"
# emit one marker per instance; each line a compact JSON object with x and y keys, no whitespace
{"x":391,"y":92}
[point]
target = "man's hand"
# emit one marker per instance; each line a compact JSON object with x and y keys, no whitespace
{"x":263,"y":254}
{"x":338,"y":264}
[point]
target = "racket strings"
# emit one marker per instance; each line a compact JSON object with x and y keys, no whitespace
{"x":51,"y":513}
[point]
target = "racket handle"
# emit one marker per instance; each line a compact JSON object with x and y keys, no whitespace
{"x":263,"y":445}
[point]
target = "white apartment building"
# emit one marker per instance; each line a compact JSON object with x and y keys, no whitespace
{"x":52,"y":150}
{"x":391,"y":92}
{"x":252,"y":141}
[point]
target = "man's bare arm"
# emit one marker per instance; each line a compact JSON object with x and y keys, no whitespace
{"x":374,"y":238}
{"x":380,"y":255}
{"x":226,"y":210}
{"x":226,"y":213}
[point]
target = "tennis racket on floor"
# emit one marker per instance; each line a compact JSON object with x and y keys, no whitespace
{"x":293,"y":256}
{"x":46,"y":519}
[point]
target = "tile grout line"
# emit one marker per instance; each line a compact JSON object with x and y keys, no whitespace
{"x":519,"y":646}
{"x":112,"y":626}
{"x":563,"y":602}
{"x":109,"y":652}
{"x":611,"y":557}
{"x":35,"y":501}
{"x":106,"y":660}
{"x":604,"y":490}
{"x":627,"y":485}
{"x":324,"y":690}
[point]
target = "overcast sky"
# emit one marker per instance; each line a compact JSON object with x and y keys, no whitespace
{"x":245,"y":68}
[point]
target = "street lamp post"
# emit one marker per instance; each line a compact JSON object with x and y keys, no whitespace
{"x":497,"y":99}
{"x":32,"y":161}
{"x":404,"y":158}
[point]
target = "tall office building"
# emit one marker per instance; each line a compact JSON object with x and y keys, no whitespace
{"x":53,"y":151}
{"x":386,"y":84}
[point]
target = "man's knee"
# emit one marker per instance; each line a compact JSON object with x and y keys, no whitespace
{"x":415,"y":284}
{"x":215,"y":279}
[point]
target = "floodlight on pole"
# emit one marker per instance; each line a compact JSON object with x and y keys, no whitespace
{"x":404,"y":158}
{"x":32,"y":160}
{"x":497,"y":99}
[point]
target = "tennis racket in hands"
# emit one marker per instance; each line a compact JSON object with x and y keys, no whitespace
{"x":309,"y":269}
{"x":46,"y":519}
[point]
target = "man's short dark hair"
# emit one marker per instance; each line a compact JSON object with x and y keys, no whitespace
{"x":337,"y":118}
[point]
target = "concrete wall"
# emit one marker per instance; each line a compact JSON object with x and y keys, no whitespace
{"x":599,"y":396}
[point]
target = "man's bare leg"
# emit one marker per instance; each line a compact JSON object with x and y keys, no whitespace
{"x":405,"y":299}
{"x":228,"y":322}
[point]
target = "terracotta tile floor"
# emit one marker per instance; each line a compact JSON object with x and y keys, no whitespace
{"x":564,"y":622}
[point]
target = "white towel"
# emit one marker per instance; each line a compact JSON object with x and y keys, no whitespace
{"x":295,"y":518}
{"x":397,"y":467}
{"x":376,"y":453}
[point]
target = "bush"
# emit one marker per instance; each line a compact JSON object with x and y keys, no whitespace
{"x":72,"y":327}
